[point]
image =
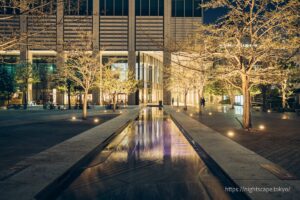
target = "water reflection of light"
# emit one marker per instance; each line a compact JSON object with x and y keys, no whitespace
{"x":135,"y":149}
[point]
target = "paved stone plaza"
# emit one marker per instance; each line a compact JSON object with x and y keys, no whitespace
{"x":26,"y":133}
{"x":279,"y":141}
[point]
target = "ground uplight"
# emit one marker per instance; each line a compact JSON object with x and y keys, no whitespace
{"x":73,"y":118}
{"x":230,"y":133}
{"x":96,"y":120}
{"x":262,"y":127}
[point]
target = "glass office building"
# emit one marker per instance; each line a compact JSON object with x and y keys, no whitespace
{"x":138,"y":30}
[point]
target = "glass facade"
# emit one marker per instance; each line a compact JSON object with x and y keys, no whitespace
{"x":180,"y":8}
{"x":186,"y":8}
{"x":78,"y":7}
{"x":149,"y":7}
{"x":113,"y":7}
{"x":8,"y":7}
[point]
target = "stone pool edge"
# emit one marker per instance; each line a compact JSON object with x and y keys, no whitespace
{"x":240,"y":164}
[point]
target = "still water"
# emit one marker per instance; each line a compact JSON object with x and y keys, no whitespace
{"x":150,"y":159}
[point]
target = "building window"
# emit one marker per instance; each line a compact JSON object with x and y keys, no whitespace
{"x":113,"y":7}
{"x":149,"y":7}
{"x":11,"y":7}
{"x":186,"y":8}
{"x":78,"y":7}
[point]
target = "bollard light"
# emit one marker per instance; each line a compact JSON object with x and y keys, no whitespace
{"x":230,"y":133}
{"x":262,"y":127}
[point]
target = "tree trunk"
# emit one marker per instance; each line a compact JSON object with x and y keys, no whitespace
{"x":69,"y":96}
{"x":284,"y":96}
{"x":247,"y":102}
{"x":114,"y":102}
{"x":283,"y":99}
{"x":185,"y":104}
{"x":84,"y":107}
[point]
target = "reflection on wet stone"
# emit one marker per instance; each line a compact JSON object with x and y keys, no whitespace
{"x":150,"y":159}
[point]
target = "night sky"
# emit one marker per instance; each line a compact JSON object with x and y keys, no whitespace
{"x":211,"y":15}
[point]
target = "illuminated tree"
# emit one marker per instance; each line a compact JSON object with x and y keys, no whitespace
{"x":247,"y":38}
{"x":26,"y":74}
{"x":113,"y":84}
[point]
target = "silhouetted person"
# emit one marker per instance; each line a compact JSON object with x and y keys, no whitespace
{"x":202,"y":102}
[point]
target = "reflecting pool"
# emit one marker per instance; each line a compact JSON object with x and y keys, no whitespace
{"x":150,"y":159}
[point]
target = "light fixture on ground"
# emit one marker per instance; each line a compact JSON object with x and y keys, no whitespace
{"x":121,"y":111}
{"x":96,"y":120}
{"x":230,"y":133}
{"x":210,"y":113}
{"x":284,"y":117}
{"x":105,"y":111}
{"x":262,"y":127}
{"x":269,"y":111}
{"x":73,"y":118}
{"x":191,"y":114}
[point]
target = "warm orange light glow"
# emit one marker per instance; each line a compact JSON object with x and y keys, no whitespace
{"x":210,"y":113}
{"x":96,"y":120}
{"x":73,"y":118}
{"x":230,"y":133}
{"x":191,"y":114}
{"x":262,"y":127}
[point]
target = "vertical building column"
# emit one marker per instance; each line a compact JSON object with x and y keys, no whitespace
{"x":60,"y":33}
{"x":25,"y":56}
{"x":60,"y":57}
{"x":133,"y":98}
{"x":96,"y":49}
{"x":167,"y":49}
{"x":29,"y":87}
